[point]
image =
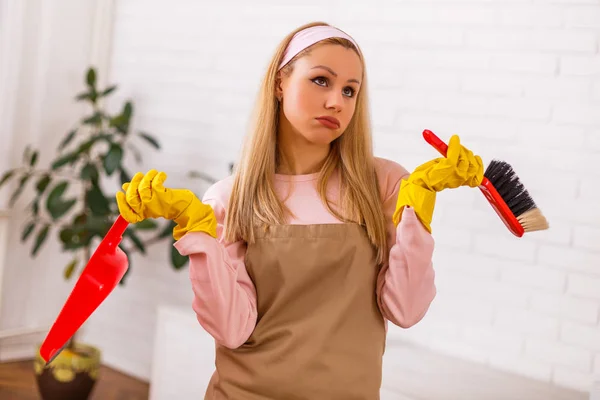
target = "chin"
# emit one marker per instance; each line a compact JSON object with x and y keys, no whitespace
{"x":322,"y":137}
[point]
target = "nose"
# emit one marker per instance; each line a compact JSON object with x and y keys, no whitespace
{"x":334,"y":101}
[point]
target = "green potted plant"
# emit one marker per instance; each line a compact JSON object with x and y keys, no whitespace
{"x":69,"y":199}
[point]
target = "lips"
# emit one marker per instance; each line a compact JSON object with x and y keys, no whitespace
{"x":329,"y":121}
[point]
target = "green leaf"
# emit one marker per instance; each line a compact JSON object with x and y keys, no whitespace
{"x":97,"y":201}
{"x":34,"y":158}
{"x":67,"y":139}
{"x":89,"y":172}
{"x":73,"y":239}
{"x":19,"y":189}
{"x":70,"y":268}
{"x":57,"y":207}
{"x":123,"y":279}
{"x":91,"y":95}
{"x":145,"y":225}
{"x":35,"y":207}
{"x":82,"y":230}
{"x":98,"y":225}
{"x":108,"y":90}
{"x":40,"y":239}
{"x":137,"y":242}
{"x":177,"y":260}
{"x":90,"y":78}
{"x":27,"y":154}
{"x":148,"y":138}
{"x":27,"y":231}
{"x":128,"y":110}
{"x":167,"y":230}
{"x":7,"y":175}
{"x":201,"y":175}
{"x":57,"y":192}
{"x":42,"y":183}
{"x":69,"y":158}
{"x":57,"y":210}
{"x":85,"y":146}
{"x":66,"y":235}
{"x":95,"y":119}
{"x":136,"y":153}
{"x":113,"y":158}
{"x":121,"y":122}
{"x":80,"y":219}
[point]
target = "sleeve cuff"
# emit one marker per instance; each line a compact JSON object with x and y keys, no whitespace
{"x":420,"y":199}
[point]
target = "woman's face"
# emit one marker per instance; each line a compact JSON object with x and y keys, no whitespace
{"x":319,"y":96}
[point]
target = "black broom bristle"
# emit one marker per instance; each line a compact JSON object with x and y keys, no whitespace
{"x":510,"y":188}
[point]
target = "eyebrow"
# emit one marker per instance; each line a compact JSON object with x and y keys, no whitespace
{"x":333,"y":73}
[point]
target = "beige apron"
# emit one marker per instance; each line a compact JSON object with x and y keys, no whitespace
{"x":319,"y":334}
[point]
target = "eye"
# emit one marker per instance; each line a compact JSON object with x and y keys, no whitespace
{"x":320,"y":80}
{"x":349,"y":91}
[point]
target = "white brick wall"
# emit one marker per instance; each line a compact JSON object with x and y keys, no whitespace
{"x":45,"y":49}
{"x":527,"y":92}
{"x":519,"y":80}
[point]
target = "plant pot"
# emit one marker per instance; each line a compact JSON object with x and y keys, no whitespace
{"x":71,"y":375}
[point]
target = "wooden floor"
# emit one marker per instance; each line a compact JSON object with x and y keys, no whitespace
{"x":417,"y":375}
{"x":17,"y":382}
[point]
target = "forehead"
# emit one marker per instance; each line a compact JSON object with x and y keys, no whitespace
{"x":344,"y":62}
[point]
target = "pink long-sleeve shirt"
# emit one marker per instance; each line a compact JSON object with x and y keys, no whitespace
{"x":225,"y":297}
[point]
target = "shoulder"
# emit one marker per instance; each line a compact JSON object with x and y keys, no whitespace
{"x":217,"y":195}
{"x":389,"y":174}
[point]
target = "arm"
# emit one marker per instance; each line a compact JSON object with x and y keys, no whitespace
{"x":224,"y":295}
{"x":406,"y":285}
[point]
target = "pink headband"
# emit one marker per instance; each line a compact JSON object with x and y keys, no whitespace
{"x":309,"y":36}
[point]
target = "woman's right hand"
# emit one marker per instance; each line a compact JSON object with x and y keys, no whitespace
{"x":146,"y":197}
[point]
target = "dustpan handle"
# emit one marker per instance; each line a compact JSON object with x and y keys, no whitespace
{"x":116,"y":231}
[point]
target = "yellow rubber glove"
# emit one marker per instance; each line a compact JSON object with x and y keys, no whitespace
{"x":459,"y":168}
{"x":146,"y":197}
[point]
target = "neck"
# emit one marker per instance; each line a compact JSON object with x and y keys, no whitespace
{"x":298,"y":156}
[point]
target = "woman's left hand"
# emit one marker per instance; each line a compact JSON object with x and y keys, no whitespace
{"x":460,"y":167}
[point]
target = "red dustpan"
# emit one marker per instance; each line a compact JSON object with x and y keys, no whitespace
{"x":103,"y":272}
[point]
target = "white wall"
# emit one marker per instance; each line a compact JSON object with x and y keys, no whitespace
{"x":518,"y":80}
{"x":44,"y":47}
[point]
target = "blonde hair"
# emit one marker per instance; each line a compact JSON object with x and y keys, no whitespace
{"x":254,"y":202}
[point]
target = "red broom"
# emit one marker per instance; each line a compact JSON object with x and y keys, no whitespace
{"x":505,"y":192}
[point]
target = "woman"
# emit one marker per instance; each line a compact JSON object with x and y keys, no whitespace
{"x":299,"y":259}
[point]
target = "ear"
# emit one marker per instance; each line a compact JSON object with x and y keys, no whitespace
{"x":278,"y":86}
